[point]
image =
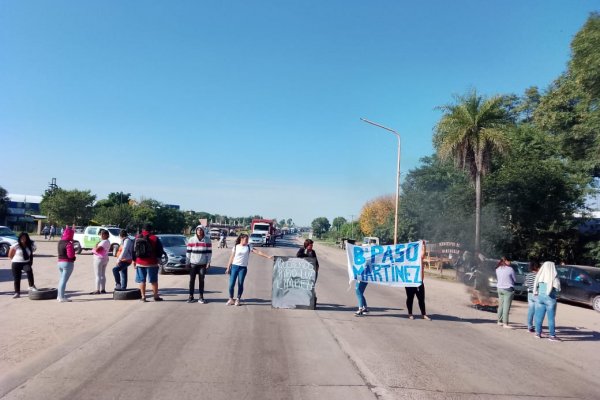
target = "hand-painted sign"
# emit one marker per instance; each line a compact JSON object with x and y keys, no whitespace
{"x":294,"y":282}
{"x":391,"y":265}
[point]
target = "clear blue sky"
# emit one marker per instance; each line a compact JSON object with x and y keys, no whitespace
{"x":253,"y":107}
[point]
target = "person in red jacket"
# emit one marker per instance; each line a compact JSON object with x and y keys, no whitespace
{"x":66,"y":262}
{"x":148,"y":250}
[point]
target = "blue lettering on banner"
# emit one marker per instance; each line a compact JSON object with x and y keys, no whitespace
{"x":399,"y":252}
{"x":375,"y":251}
{"x":385,"y":268}
{"x":359,"y":257}
{"x":415,"y":252}
{"x":388,"y":254}
{"x":376,"y":274}
{"x":357,"y":272}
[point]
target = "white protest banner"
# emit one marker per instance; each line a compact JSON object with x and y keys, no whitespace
{"x":391,"y":265}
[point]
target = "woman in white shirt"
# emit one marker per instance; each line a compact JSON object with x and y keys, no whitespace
{"x":101,"y":261}
{"x":237,"y":267}
{"x":21,"y":255}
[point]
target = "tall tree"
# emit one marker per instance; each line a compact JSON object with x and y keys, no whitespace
{"x":377,"y":217}
{"x":68,"y":206}
{"x":320,"y":226}
{"x":471,"y":130}
{"x":338,"y":222}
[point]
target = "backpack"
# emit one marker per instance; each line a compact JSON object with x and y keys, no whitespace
{"x":142,"y":247}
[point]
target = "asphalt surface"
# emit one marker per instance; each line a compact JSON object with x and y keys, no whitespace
{"x":97,"y":348}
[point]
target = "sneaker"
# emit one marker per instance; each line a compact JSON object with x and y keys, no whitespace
{"x":64,"y":300}
{"x":499,"y":322}
{"x":365,"y":310}
{"x":143,"y":300}
{"x":230,"y":302}
{"x":103,"y":292}
{"x":16,"y":295}
{"x":96,"y":292}
{"x":554,"y":339}
{"x":538,"y":336}
{"x":118,"y":286}
{"x":238,"y":302}
{"x":190,"y":300}
{"x":531,"y":330}
{"x":32,"y":289}
{"x":427,"y":317}
{"x":359,"y":313}
{"x":201,"y":301}
{"x":158,"y":298}
{"x":506,"y":326}
{"x":410,"y":316}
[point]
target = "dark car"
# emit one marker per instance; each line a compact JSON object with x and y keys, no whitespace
{"x":175,"y":248}
{"x":580,"y":284}
{"x":521,"y":268}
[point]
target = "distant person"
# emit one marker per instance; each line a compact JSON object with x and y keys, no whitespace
{"x":359,"y":289}
{"x":411,"y":292}
{"x":46,"y":231}
{"x":237,"y":267}
{"x":198,"y":256}
{"x":222,"y":240}
{"x":100,"y":261}
{"x":546,"y":287}
{"x":124,"y":260}
{"x":52,"y":231}
{"x":534,"y":267}
{"x":66,"y":262}
{"x":21,"y":255}
{"x":307,"y":251}
{"x":148,"y":250}
{"x":505,"y":276}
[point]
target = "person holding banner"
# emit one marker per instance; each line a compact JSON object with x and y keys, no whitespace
{"x":419,"y":292}
{"x":237,"y":267}
{"x":307,"y":251}
{"x":360,"y":288}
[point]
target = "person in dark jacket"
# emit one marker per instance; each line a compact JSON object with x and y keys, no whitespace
{"x":307,"y":251}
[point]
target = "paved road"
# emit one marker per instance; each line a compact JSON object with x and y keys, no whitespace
{"x":168,"y":350}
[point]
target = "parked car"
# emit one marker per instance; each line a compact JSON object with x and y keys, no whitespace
{"x":521,"y":268}
{"x":7,"y":239}
{"x":257,"y":239}
{"x":580,"y":284}
{"x":175,"y":247}
{"x":215,"y":233}
{"x":91,"y":236}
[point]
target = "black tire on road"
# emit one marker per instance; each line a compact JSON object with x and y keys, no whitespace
{"x":43,"y":294}
{"x":77,"y":247}
{"x":596,"y":303}
{"x":127,"y":294}
{"x":4,"y":248}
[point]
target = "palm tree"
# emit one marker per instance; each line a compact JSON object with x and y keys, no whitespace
{"x":470,"y":131}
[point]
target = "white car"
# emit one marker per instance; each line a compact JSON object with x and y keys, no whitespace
{"x":257,"y":239}
{"x":7,"y":239}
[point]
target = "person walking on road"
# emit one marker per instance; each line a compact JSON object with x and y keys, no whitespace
{"x":534,"y":267}
{"x":46,"y":232}
{"x":505,"y":276}
{"x":148,"y":250}
{"x":124,"y":260}
{"x":198,"y":256}
{"x":21,"y":255}
{"x":52,"y":231}
{"x":546,"y":287}
{"x":66,"y":262}
{"x":237,"y":267}
{"x":100,"y":261}
{"x":222,"y":240}
{"x":411,"y":292}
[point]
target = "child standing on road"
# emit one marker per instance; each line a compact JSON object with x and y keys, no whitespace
{"x":237,"y":267}
{"x":66,"y":262}
{"x":100,"y":261}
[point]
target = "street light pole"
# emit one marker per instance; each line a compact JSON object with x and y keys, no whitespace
{"x":397,"y":175}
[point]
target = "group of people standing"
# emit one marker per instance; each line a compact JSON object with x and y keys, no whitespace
{"x":543,"y":287}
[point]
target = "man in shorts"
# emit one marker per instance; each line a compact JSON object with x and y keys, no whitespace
{"x":146,"y":265}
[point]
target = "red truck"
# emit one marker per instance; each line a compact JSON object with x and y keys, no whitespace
{"x":264,"y":227}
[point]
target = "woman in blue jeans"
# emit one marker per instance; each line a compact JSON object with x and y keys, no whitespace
{"x":237,"y":267}
{"x":360,"y":295}
{"x":546,"y":288}
{"x":66,"y":262}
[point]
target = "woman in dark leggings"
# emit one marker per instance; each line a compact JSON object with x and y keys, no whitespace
{"x":410,"y":296}
{"x":21,"y":255}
